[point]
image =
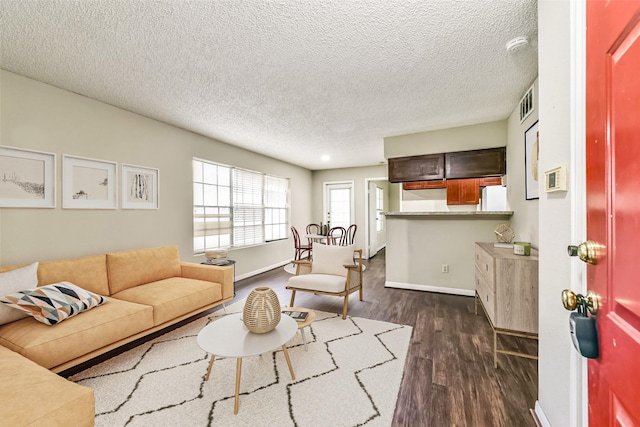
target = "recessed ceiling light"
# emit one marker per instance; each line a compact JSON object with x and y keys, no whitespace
{"x":325,"y":158}
{"x":517,"y":43}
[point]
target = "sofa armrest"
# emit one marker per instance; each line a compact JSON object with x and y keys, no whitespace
{"x":211,"y":273}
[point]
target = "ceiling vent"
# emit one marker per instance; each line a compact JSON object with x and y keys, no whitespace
{"x":526,"y":104}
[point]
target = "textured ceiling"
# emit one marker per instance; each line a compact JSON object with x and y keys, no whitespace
{"x":292,"y":79}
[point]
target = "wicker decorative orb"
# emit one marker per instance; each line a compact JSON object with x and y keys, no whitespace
{"x":261,"y":310}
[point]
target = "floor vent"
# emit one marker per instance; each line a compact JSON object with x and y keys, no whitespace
{"x":526,"y":104}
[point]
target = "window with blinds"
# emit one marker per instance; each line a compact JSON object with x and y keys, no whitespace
{"x":235,"y":207}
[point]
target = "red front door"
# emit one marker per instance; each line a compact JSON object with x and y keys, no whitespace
{"x":613,"y":207}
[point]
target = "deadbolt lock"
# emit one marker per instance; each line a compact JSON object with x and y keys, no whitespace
{"x":589,"y":251}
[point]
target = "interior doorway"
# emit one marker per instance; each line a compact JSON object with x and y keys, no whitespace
{"x":376,"y":203}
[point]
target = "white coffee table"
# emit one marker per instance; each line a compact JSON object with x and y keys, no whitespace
{"x":229,"y":337}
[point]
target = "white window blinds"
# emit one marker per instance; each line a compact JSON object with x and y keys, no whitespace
{"x":235,"y":207}
{"x":275,"y":208}
{"x":248,"y":214}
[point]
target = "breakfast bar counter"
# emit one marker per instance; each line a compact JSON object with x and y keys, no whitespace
{"x":453,"y":214}
{"x":434,"y":251}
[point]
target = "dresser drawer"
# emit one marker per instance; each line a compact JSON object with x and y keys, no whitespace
{"x":485,"y":265}
{"x":486,"y":295}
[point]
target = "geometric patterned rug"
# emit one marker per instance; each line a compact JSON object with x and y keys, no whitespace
{"x":350,"y":376}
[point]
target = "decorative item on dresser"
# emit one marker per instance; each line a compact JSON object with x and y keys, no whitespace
{"x":504,"y":233}
{"x":261,"y":312}
{"x":507,"y":288}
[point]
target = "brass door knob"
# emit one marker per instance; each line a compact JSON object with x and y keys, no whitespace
{"x":589,"y":251}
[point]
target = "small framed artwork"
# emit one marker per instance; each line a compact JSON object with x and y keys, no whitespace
{"x":27,"y":178}
{"x":89,"y":183}
{"x":140,"y":187}
{"x":531,"y":150}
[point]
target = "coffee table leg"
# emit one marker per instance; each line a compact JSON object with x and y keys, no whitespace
{"x":213,"y":357}
{"x":238,"y":370}
{"x":286,"y":355}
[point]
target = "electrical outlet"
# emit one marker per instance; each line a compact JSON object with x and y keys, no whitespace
{"x":445,"y":268}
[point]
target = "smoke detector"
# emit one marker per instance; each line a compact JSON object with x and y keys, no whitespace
{"x":517,"y":43}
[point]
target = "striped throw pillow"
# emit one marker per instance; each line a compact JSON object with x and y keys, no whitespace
{"x":51,"y":304}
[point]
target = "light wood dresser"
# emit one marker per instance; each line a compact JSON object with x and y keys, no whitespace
{"x":507,"y":290}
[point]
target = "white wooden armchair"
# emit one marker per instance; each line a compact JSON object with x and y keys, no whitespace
{"x":332,"y":272}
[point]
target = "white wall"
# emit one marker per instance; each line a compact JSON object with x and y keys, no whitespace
{"x":41,"y":117}
{"x":557,"y":380}
{"x":418,"y":246}
{"x":473,"y":137}
{"x":525,"y":212}
{"x":394,"y":197}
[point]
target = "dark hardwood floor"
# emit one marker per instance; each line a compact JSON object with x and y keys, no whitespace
{"x":449,"y":378}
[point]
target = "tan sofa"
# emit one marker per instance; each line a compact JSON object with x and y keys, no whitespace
{"x":148,"y":290}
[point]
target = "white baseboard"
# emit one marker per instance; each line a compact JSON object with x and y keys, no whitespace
{"x":262,"y":270}
{"x":542,"y":418}
{"x":429,"y":288}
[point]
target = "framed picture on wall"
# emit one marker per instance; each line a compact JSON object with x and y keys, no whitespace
{"x":532,"y":174}
{"x":140,"y":187}
{"x":27,"y":178}
{"x":88,"y":183}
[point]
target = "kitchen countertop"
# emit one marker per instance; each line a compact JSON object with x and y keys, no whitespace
{"x":452,"y":215}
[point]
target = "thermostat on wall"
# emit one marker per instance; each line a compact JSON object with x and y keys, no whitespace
{"x":555,"y":179}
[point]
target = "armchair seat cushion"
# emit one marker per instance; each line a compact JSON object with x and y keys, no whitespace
{"x":319,"y":282}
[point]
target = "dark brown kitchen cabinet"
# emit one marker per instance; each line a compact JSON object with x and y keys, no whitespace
{"x":476,"y":163}
{"x":463,"y":191}
{"x":424,"y":185}
{"x":490,"y":181}
{"x":416,"y":168}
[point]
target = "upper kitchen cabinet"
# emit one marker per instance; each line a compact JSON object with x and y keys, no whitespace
{"x":416,"y":168}
{"x":476,"y":163}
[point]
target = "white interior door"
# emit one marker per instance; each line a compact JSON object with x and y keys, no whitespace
{"x":372,"y":233}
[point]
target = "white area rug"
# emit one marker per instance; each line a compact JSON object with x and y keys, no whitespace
{"x":350,"y":376}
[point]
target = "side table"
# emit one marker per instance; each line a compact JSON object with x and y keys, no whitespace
{"x":224,"y":263}
{"x":311,"y":317}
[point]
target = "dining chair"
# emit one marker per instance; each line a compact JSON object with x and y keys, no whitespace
{"x":337,"y":236}
{"x":330,"y":273}
{"x":300,"y":249}
{"x":314,"y":229}
{"x":351,"y":234}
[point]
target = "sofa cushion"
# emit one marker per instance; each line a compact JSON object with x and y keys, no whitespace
{"x":89,"y":273}
{"x":53,"y":303}
{"x":34,"y":396}
{"x":173,"y":297}
{"x":330,"y":259}
{"x":14,"y":281}
{"x":78,"y":336}
{"x":132,"y":268}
